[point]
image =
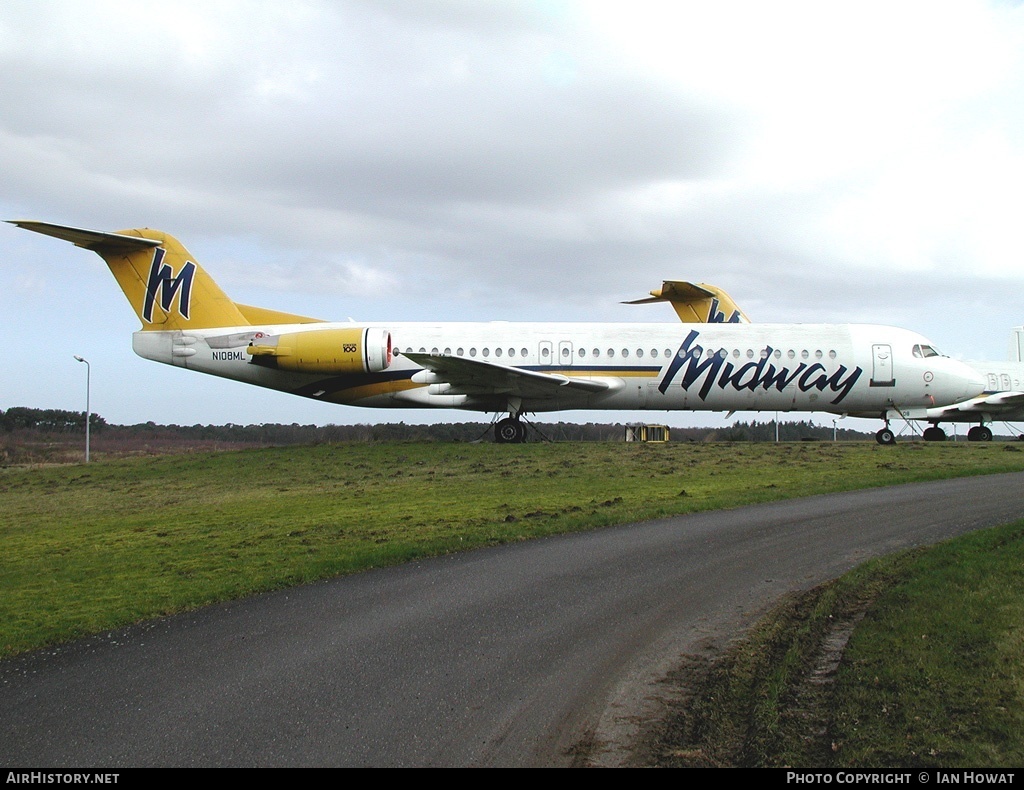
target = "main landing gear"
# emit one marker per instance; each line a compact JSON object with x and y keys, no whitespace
{"x":509,"y":431}
{"x":979,"y":433}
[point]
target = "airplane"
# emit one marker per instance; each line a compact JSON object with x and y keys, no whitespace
{"x":519,"y":368}
{"x":1002,"y":399}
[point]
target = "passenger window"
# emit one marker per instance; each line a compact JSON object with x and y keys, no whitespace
{"x":625,"y":353}
{"x":487,"y":352}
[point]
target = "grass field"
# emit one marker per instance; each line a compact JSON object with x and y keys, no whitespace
{"x":91,"y":547}
{"x":932,"y":675}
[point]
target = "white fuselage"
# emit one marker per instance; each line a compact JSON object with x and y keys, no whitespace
{"x":865,"y":370}
{"x":997,"y":378}
{"x":1000,"y":376}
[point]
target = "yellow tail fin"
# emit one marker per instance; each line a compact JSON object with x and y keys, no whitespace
{"x":166,"y":287}
{"x":697,"y":303}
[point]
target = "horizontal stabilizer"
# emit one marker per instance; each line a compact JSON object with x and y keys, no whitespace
{"x":676,"y":290}
{"x":89,"y":239}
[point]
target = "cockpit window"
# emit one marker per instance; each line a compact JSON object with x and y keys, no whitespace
{"x":923,"y":351}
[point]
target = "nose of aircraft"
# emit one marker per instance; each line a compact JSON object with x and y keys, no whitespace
{"x":964,"y":382}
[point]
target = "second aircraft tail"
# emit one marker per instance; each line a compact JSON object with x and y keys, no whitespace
{"x":697,"y":303}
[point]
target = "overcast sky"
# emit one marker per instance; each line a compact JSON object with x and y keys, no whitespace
{"x":481,"y":159}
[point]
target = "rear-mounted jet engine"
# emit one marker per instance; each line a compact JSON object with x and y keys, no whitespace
{"x":332,"y":351}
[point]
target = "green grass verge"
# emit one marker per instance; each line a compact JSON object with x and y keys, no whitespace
{"x":92,"y":547}
{"x":932,"y":676}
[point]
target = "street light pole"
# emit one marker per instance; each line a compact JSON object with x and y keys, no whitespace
{"x":88,"y":412}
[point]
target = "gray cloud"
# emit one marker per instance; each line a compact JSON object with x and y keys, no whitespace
{"x":456,"y":159}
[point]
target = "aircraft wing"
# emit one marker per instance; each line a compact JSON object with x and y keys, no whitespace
{"x":996,"y":403}
{"x":476,"y":377}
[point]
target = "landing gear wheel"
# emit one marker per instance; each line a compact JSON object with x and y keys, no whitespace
{"x":979,"y":433}
{"x":934,"y":434}
{"x":885,"y":436}
{"x":509,"y":431}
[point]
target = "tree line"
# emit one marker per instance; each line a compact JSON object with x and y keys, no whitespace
{"x":57,"y":421}
{"x":48,"y":420}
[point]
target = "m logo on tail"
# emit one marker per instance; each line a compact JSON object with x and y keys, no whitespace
{"x":163,"y":281}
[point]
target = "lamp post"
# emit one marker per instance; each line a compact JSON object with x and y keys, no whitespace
{"x":88,"y":413}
